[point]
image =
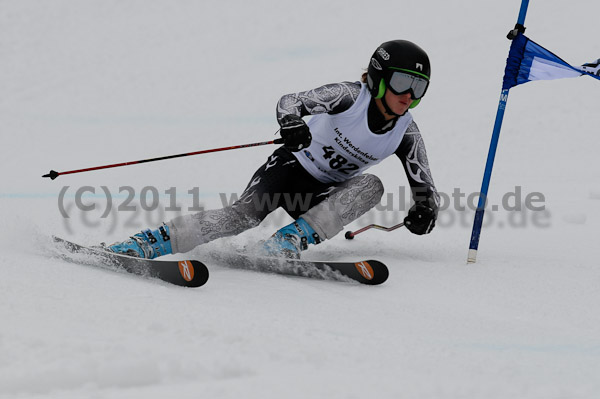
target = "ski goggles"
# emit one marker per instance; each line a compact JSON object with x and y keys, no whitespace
{"x":402,"y":82}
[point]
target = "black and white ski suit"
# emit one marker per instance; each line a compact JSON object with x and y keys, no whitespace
{"x":325,"y":183}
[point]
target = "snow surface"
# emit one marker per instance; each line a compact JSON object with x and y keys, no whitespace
{"x":88,"y":83}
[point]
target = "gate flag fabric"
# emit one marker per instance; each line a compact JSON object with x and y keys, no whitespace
{"x":528,"y":61}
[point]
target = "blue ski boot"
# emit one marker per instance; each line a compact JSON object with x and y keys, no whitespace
{"x":290,"y":240}
{"x":147,"y":244}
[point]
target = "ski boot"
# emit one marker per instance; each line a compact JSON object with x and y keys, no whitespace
{"x":290,"y":240}
{"x":146,"y":244}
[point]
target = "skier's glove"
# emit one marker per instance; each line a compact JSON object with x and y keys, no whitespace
{"x":421,"y":217}
{"x":295,"y":133}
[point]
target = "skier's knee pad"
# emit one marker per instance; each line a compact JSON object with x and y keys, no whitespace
{"x":352,"y":199}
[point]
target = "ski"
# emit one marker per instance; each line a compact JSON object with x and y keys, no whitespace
{"x":185,"y":273}
{"x":369,"y":272}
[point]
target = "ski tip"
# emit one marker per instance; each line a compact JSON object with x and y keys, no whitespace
{"x":373,"y":272}
{"x":193,"y":272}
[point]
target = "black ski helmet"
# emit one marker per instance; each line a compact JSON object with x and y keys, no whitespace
{"x":392,"y":56}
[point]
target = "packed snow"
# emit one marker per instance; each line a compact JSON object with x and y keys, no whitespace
{"x":88,"y":83}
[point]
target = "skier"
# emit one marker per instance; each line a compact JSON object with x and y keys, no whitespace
{"x":317,"y":175}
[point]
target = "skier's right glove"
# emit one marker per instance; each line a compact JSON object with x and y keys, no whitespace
{"x":421,"y":217}
{"x":295,"y":133}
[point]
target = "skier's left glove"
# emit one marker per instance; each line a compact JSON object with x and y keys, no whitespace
{"x":295,"y":133}
{"x":421,"y":217}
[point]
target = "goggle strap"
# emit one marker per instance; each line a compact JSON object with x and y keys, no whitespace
{"x":381,"y":91}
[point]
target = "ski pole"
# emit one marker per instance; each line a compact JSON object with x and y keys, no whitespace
{"x":350,"y":234}
{"x":54,"y":174}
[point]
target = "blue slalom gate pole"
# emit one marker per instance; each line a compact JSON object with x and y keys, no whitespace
{"x":479,"y":213}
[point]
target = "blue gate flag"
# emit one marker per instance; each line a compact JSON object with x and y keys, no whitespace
{"x":528,"y":61}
